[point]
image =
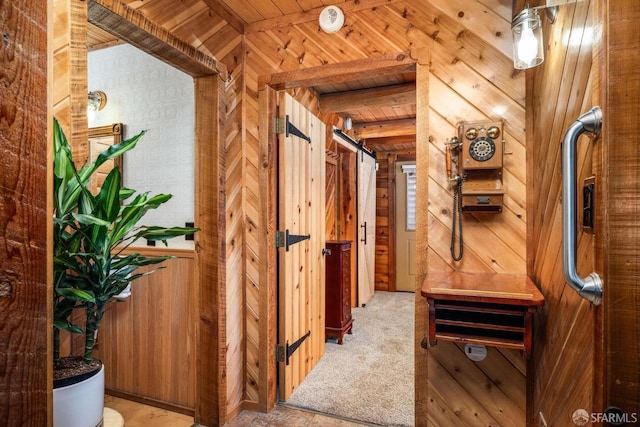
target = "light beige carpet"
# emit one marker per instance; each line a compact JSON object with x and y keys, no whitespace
{"x":370,"y":377}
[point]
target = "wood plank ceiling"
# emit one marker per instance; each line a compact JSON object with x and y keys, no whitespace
{"x":382,"y":109}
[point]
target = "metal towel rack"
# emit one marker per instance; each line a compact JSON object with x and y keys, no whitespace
{"x":590,"y":287}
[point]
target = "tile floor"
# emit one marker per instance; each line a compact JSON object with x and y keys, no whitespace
{"x":139,"y":415}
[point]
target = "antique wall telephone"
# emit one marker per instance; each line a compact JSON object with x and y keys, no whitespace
{"x":474,"y":169}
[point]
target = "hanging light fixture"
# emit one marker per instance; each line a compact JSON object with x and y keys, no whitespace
{"x":528,"y":40}
{"x":97,"y":100}
{"x":528,"y":44}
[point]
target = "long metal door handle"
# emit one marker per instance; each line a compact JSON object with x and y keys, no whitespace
{"x":590,"y":287}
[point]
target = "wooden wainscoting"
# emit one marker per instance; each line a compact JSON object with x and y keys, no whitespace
{"x":147,"y":342}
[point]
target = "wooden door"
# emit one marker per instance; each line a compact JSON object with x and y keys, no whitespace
{"x":405,"y":174}
{"x":301,"y":173}
{"x":367,"y":226}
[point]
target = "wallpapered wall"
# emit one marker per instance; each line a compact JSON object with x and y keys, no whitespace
{"x":145,"y":93}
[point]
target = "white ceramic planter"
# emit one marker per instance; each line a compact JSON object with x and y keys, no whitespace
{"x":81,"y":404}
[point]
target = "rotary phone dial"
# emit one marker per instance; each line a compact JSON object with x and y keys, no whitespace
{"x":474,"y":169}
{"x":482,"y":148}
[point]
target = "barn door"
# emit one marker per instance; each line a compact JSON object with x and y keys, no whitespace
{"x":367,"y":226}
{"x":300,"y":238}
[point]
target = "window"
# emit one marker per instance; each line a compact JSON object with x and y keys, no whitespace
{"x":410,"y":174}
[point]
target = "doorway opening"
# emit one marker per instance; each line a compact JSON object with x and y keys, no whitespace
{"x":408,"y":328}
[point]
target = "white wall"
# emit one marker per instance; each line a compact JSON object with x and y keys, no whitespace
{"x":145,"y":93}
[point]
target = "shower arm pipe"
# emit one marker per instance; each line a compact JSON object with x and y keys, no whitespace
{"x":590,"y":287}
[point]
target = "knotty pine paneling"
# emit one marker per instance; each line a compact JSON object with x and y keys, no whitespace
{"x":331,"y":196}
{"x":147,"y":341}
{"x":235,"y":239}
{"x":348,"y":218}
{"x":470,"y":77}
{"x":240,"y":185}
{"x":25,"y":147}
{"x":463,"y":92}
{"x":69,"y":73}
{"x":558,"y":92}
{"x":385,"y":276}
{"x":385,"y":221}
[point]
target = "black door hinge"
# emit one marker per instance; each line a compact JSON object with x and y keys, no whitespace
{"x":288,"y":128}
{"x":283,"y":354}
{"x":284,"y":239}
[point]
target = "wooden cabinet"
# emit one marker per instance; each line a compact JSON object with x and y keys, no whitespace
{"x":338,"y":319}
{"x":488,"y":309}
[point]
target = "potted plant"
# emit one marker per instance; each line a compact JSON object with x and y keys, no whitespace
{"x":90,"y":235}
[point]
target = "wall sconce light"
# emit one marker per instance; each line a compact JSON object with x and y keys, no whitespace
{"x":528,"y":41}
{"x":97,"y":100}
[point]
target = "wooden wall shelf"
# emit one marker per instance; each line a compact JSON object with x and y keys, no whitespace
{"x":481,"y":308}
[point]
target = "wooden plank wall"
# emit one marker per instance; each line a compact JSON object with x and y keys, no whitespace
{"x":69,"y":62}
{"x":242,"y":254}
{"x":385,"y":220}
{"x":471,"y":74}
{"x":557,"y":93}
{"x":463,"y":85}
{"x":385,"y":217}
{"x":348,"y":218}
{"x":472,"y":79}
{"x":159,"y":317}
{"x":332,"y":201}
{"x":25,"y":336}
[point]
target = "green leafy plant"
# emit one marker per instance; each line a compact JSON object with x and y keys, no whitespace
{"x":90,"y":235}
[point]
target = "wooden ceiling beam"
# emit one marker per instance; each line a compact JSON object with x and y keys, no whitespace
{"x":408,"y":151}
{"x":313,"y":15}
{"x":385,"y":96}
{"x":392,"y":140}
{"x":342,"y":72}
{"x":228,"y":14}
{"x":133,"y":27}
{"x":390,"y":128}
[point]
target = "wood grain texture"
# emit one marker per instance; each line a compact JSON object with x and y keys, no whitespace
{"x":467,"y":68}
{"x":617,"y":245}
{"x":423,"y":374}
{"x":268,"y":149}
{"x":158,"y":318}
{"x":384,"y":223}
{"x":331,"y":202}
{"x":25,"y":286}
{"x":69,"y":73}
{"x":302,"y":272}
{"x":348,"y":219}
{"x":557,"y":93}
{"x":133,"y":27}
{"x":284,"y":51}
{"x":240,"y":231}
{"x":210,"y":251}
{"x":390,"y":27}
